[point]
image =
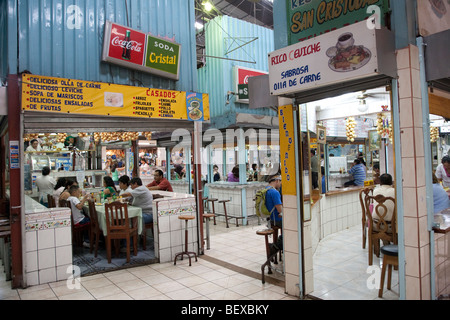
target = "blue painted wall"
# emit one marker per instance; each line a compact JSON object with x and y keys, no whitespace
{"x":64,"y":38}
{"x":224,"y":34}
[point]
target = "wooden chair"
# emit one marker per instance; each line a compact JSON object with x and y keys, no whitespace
{"x":77,"y":230}
{"x":95,"y":230}
{"x":362,"y":195}
{"x":51,"y":201}
{"x":118,"y":227}
{"x":378,"y":227}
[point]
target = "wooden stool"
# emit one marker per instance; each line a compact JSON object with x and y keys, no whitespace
{"x":208,"y":238}
{"x":186,"y":218}
{"x":266,"y":233}
{"x":225,"y":211}
{"x":275,"y":238}
{"x":390,"y":258}
{"x":212,"y":200}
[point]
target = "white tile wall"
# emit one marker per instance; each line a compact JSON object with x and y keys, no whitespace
{"x":48,"y":246}
{"x":170,"y":230}
{"x":337,"y":213}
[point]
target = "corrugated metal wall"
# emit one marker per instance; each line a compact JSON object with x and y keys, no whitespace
{"x":216,"y":78}
{"x":64,"y":38}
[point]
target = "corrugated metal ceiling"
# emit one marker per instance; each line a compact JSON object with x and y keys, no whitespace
{"x":259,"y":12}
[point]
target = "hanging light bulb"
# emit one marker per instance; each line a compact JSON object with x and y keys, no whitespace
{"x":363,"y":107}
{"x":208,"y":6}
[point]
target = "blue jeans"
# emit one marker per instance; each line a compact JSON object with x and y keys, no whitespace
{"x":148,"y":218}
{"x":84,"y":221}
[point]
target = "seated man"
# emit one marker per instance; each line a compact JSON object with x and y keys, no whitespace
{"x":387,"y":190}
{"x":160,"y":183}
{"x":358,"y":171}
{"x":142,"y":198}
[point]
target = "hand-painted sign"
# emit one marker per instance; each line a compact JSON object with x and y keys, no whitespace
{"x":345,"y":54}
{"x":57,"y":95}
{"x":287,"y":150}
{"x":311,"y":18}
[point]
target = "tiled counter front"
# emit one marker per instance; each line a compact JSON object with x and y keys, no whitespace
{"x":235,"y":193}
{"x":48,"y":247}
{"x":442,"y":264}
{"x":337,"y":211}
{"x":170,"y":231}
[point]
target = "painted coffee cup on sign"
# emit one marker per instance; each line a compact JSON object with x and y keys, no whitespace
{"x":345,"y":40}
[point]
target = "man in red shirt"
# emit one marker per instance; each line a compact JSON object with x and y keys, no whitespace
{"x":160,"y":183}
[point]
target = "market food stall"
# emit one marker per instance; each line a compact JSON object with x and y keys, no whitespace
{"x":104,"y":132}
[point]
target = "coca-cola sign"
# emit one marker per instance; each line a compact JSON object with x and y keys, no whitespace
{"x":241,"y":76}
{"x":125,"y":44}
{"x":127,"y":47}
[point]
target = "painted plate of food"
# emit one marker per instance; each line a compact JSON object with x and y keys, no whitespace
{"x":195,"y":114}
{"x":349,"y":59}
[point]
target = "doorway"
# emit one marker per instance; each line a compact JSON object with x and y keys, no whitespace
{"x":341,"y":130}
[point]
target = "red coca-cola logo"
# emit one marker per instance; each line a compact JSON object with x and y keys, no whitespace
{"x":244,"y":74}
{"x":126,"y":44}
{"x":131,"y":45}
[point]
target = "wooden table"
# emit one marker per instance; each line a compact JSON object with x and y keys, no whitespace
{"x":134,"y":214}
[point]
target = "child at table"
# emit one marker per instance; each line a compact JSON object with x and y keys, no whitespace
{"x":77,"y":205}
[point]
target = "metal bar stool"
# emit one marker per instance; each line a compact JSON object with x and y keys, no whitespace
{"x":208,"y":236}
{"x":186,"y":218}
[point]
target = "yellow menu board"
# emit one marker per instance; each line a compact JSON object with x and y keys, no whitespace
{"x":287,"y":150}
{"x":65,"y":96}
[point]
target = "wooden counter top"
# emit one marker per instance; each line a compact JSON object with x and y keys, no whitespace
{"x":346,"y":190}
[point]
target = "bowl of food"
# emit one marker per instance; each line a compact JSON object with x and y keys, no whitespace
{"x":195,"y":114}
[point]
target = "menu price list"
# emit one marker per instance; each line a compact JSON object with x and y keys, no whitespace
{"x":47,"y":94}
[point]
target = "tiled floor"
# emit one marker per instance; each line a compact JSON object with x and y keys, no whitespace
{"x":341,"y":269}
{"x":231,"y":270}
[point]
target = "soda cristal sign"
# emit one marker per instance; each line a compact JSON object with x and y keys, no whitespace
{"x":137,"y":50}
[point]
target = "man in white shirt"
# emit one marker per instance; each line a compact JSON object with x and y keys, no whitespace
{"x":387,"y":190}
{"x":443,"y":172}
{"x":45,"y":185}
{"x":142,"y":198}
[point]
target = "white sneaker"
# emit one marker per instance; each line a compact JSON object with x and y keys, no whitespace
{"x":86,"y":244}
